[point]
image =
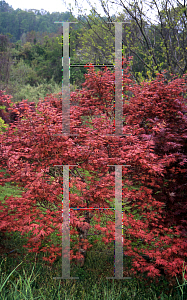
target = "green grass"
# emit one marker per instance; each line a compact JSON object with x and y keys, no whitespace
{"x":25,"y":275}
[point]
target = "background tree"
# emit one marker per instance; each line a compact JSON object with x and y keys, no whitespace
{"x":169,"y":34}
{"x":154,"y":47}
{"x":5,"y":61}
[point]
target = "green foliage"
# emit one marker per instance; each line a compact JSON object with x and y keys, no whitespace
{"x":93,"y":42}
{"x":22,"y":74}
{"x":17,"y":22}
{"x":26,"y":84}
{"x":3,"y":126}
{"x":48,"y":63}
{"x":33,"y":93}
{"x":97,"y":45}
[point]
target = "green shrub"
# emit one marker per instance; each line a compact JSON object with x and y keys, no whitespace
{"x":3,"y":126}
{"x":21,"y":74}
{"x":33,"y":93}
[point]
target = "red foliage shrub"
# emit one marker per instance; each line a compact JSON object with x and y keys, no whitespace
{"x":30,"y":149}
{"x":12,"y":112}
{"x":160,"y":110}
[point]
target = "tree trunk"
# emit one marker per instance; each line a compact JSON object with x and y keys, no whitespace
{"x":82,"y":236}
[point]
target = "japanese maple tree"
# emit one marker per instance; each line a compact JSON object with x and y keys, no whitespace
{"x":154,"y":144}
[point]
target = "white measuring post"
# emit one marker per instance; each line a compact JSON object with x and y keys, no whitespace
{"x":66,"y":81}
{"x":65,"y":226}
{"x":118,"y":257}
{"x":118,"y":269}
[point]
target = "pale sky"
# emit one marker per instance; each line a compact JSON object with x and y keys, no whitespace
{"x":59,"y":6}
